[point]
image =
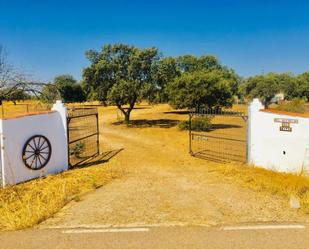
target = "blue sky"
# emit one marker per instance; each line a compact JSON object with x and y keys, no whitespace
{"x":48,"y":38}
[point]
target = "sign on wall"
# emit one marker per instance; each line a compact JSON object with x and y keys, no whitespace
{"x":286,"y":123}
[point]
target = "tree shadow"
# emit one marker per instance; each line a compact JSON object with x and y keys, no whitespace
{"x":138,"y":108}
{"x":141,"y":107}
{"x":102,"y":158}
{"x":178,"y":112}
{"x":144,"y":123}
{"x":224,"y":126}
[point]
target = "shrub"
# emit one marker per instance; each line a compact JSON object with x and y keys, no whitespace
{"x":200,"y":123}
{"x":183,"y":125}
{"x":78,"y":149}
{"x":296,"y":105}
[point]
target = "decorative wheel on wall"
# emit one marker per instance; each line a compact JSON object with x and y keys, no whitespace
{"x":36,"y":152}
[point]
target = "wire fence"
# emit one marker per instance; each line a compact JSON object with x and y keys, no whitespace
{"x":83,"y":134}
{"x":225,"y":137}
{"x":10,"y":110}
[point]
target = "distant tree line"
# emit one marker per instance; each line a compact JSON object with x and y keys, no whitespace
{"x":63,"y":87}
{"x":267,"y":86}
{"x":123,"y":75}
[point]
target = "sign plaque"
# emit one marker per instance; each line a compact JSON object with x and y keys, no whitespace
{"x":286,"y":123}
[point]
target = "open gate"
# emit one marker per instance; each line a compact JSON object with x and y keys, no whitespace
{"x":83,"y":134}
{"x":224,"y":139}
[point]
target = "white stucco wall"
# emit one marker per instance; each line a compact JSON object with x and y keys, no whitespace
{"x":16,"y":131}
{"x":273,"y":149}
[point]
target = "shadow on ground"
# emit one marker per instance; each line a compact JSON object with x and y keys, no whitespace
{"x":224,"y":126}
{"x":143,"y":123}
{"x":102,"y":158}
{"x":178,"y":112}
{"x":141,"y":107}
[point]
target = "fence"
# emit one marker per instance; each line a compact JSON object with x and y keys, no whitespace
{"x":8,"y":110}
{"x":271,"y":139}
{"x":83,"y":134}
{"x":223,"y":137}
{"x":41,"y":143}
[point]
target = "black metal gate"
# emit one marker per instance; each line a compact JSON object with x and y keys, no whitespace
{"x":218,"y":135}
{"x":83,"y":134}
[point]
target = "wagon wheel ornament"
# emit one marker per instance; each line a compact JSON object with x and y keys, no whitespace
{"x":36,"y":152}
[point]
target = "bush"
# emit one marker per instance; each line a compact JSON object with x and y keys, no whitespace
{"x":296,"y":105}
{"x":183,"y":125}
{"x":201,"y":123}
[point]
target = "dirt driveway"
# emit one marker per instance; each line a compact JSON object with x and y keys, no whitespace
{"x":162,"y":184}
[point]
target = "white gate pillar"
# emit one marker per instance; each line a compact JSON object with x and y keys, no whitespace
{"x":62,"y":110}
{"x":253,"y":128}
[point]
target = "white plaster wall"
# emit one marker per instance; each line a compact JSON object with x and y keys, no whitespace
{"x":15,"y":132}
{"x":273,"y":149}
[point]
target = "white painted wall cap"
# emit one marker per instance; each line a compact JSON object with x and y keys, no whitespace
{"x":256,"y":104}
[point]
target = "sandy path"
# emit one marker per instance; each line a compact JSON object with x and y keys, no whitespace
{"x":163,"y":185}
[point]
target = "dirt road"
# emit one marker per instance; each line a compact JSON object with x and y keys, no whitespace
{"x":162,"y":185}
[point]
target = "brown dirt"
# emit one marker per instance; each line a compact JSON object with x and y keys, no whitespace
{"x":162,"y":184}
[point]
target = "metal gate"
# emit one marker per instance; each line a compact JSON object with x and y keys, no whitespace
{"x":83,"y":134}
{"x":218,"y":135}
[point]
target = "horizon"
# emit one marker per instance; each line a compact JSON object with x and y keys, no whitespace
{"x":47,"y":39}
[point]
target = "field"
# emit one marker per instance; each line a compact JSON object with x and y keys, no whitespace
{"x":8,"y":109}
{"x":147,"y":177}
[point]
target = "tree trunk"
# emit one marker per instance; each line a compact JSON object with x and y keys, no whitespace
{"x":267,"y":102}
{"x":125,"y":113}
{"x":127,"y":117}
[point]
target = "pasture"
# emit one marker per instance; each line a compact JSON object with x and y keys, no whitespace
{"x":148,"y":177}
{"x":10,"y":109}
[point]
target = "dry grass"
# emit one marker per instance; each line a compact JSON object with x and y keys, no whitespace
{"x":8,"y":109}
{"x":257,"y":179}
{"x":262,"y":180}
{"x":30,"y":203}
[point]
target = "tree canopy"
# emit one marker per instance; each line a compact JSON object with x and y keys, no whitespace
{"x":264,"y":87}
{"x":123,"y":75}
{"x":63,"y":87}
{"x":204,"y":82}
{"x":119,"y":74}
{"x":303,"y":85}
{"x":69,"y":89}
{"x":267,"y":86}
{"x":191,"y":63}
{"x":201,"y":89}
{"x":164,"y":72}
